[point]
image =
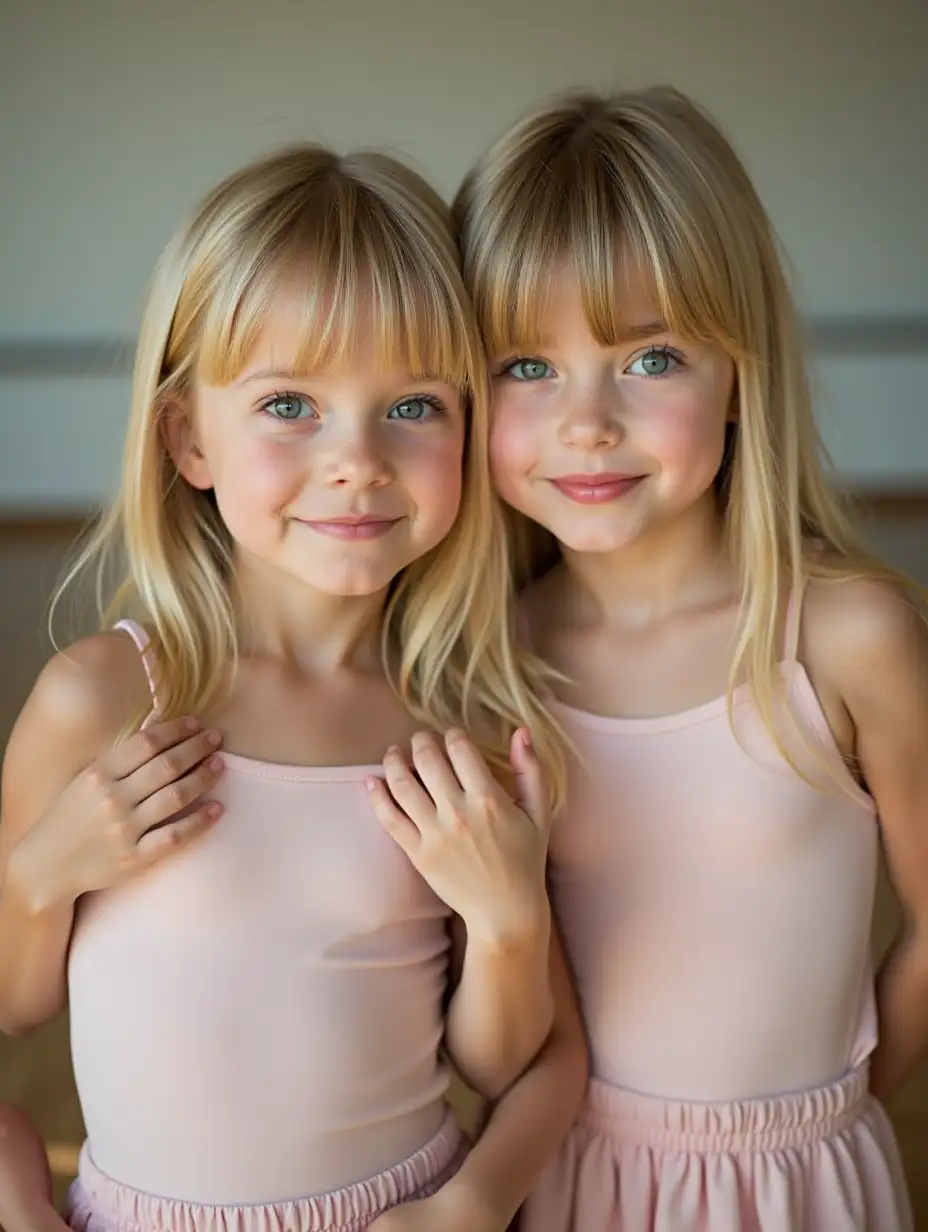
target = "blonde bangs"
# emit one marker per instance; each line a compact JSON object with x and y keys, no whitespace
{"x":596,"y":190}
{"x":361,"y":278}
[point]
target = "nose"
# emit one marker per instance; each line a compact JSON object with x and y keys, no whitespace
{"x":357,"y":461}
{"x":591,"y":421}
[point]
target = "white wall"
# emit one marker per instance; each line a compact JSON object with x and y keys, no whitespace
{"x":115,"y":116}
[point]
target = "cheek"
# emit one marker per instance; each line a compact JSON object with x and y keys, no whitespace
{"x":256,"y":478}
{"x":433,"y":473}
{"x":687,"y":436}
{"x":515,"y":447}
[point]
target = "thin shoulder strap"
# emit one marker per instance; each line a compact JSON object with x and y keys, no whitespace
{"x":147,"y":655}
{"x":793,"y":624}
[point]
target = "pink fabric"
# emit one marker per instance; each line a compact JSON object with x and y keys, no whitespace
{"x":819,"y":1161}
{"x":716,"y":909}
{"x":261,"y":1014}
{"x":98,"y":1204}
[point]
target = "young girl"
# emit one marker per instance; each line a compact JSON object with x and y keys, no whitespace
{"x":745,"y":688}
{"x":256,"y":970}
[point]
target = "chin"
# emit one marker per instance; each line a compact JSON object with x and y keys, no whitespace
{"x":601,"y":539}
{"x":352,"y":585}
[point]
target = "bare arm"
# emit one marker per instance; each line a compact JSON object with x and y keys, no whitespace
{"x":76,"y":812}
{"x":524,"y":1130}
{"x":879,"y":645}
{"x":501,"y":1010}
{"x":484,"y":855}
{"x":528,"y":1123}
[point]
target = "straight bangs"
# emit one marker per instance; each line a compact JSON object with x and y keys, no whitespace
{"x":362,"y":279}
{"x":603,"y":199}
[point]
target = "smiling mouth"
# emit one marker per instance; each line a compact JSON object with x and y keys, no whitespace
{"x":353,"y":528}
{"x":598,"y":489}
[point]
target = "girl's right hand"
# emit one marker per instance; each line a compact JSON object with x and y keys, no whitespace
{"x":130,"y":808}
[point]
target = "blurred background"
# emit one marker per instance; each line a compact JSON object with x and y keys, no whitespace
{"x":115,"y":115}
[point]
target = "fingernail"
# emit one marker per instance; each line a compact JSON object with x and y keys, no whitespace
{"x":214,"y":738}
{"x":527,"y":740}
{"x":215,"y":763}
{"x":213,"y":810}
{"x":455,"y":733}
{"x":392,"y":751}
{"x":370,"y":783}
{"x":191,"y":723}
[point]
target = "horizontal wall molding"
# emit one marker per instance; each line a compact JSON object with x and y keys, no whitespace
{"x":886,"y":502}
{"x":105,"y":357}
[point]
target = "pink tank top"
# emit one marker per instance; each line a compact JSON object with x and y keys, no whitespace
{"x":716,"y":908}
{"x":258,"y":1018}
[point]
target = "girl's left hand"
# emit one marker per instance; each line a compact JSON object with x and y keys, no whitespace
{"x":481,"y":852}
{"x":445,"y":1211}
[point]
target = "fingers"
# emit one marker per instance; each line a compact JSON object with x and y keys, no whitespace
{"x":434,"y":768}
{"x":472,"y":772}
{"x":406,"y":790}
{"x":531,"y":793}
{"x":155,"y":844}
{"x":130,"y":754}
{"x":169,"y":767}
{"x":403,"y":832}
{"x":178,"y":794}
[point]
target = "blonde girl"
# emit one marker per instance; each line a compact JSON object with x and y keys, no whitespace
{"x":745,"y":687}
{"x":262,"y":978}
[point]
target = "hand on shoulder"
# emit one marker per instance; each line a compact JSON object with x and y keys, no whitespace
{"x":83,"y":809}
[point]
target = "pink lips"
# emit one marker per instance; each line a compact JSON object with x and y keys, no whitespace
{"x":366,"y":526}
{"x":596,"y":489}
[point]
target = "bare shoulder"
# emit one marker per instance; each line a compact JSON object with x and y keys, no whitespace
{"x":863,"y":632}
{"x":83,"y":698}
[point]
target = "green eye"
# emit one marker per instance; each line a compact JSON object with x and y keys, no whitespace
{"x":529,"y":370}
{"x":287,"y":407}
{"x":657,"y":362}
{"x":412,"y":409}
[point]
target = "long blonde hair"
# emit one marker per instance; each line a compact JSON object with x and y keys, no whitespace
{"x":647,"y":177}
{"x":369,"y":232}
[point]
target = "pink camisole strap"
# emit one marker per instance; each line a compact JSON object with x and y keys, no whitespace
{"x":146,"y":653}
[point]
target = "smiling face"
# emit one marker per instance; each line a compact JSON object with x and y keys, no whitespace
{"x":339,"y":478}
{"x":604,"y":444}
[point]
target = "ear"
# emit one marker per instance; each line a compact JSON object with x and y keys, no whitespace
{"x":178,"y":429}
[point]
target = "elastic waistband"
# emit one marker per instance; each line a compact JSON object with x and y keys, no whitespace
{"x":99,"y":1204}
{"x":771,"y":1124}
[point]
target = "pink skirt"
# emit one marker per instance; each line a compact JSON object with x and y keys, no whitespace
{"x":821,"y":1161}
{"x":98,"y":1204}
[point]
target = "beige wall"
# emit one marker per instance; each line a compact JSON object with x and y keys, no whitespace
{"x":114,"y":116}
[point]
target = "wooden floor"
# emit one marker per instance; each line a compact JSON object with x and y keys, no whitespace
{"x":36,"y":1072}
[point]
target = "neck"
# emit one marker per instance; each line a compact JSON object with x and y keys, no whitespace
{"x":320,"y":632}
{"x":680,"y":564}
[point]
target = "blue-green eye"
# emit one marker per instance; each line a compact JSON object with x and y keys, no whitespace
{"x":529,"y":370}
{"x":656,"y":362}
{"x":287,"y":407}
{"x":413,"y":409}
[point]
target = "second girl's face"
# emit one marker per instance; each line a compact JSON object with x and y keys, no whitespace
{"x":603,"y":444}
{"x":338,"y":479}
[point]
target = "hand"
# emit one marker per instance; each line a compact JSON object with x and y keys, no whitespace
{"x":123,"y":813}
{"x":482,"y":853}
{"x":449,"y":1210}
